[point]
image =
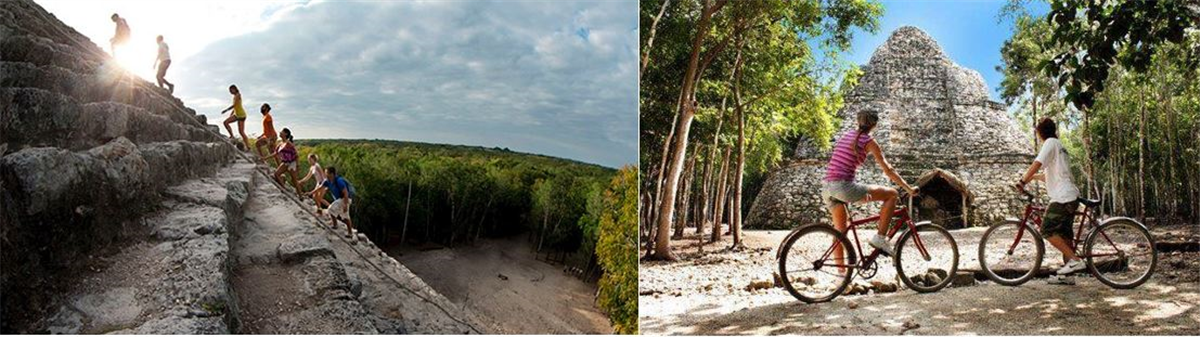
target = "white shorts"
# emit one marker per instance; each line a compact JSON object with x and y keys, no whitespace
{"x":291,"y":166}
{"x":340,"y":208}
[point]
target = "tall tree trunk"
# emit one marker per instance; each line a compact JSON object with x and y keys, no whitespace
{"x":662,"y":246}
{"x":710,"y":191}
{"x":686,"y":195}
{"x":1034,"y":120}
{"x":407,"y":202}
{"x":1087,"y":152}
{"x":1142,"y":157}
{"x":650,"y":40}
{"x":722,"y":189}
{"x":740,"y":170}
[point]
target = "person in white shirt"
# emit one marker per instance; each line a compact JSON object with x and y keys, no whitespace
{"x":162,"y":62}
{"x":1064,"y":198}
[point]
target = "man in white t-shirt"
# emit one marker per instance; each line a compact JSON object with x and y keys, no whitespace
{"x":1064,"y":198}
{"x":162,"y":62}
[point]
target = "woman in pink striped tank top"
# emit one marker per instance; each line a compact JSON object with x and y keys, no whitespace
{"x":839,"y":188}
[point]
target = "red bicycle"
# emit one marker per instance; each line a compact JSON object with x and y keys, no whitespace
{"x":1118,"y":251}
{"x":926,"y":255}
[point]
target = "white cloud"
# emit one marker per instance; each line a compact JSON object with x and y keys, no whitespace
{"x":550,"y":77}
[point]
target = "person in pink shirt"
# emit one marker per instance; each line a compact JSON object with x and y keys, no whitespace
{"x":839,"y":188}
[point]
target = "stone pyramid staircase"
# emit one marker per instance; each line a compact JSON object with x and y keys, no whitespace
{"x":119,"y":207}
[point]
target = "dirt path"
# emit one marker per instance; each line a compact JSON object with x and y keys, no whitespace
{"x":501,"y":280}
{"x":705,"y":293}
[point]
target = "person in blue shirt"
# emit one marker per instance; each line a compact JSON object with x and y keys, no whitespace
{"x":340,"y":208}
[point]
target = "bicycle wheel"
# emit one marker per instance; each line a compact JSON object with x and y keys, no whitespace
{"x":1007,"y":260}
{"x":929,"y":271}
{"x":808,"y":267}
{"x":1120,"y":253}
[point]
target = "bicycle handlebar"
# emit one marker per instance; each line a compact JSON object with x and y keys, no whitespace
{"x":1028,"y":196}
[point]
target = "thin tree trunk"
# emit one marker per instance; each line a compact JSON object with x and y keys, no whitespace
{"x":740,"y":170}
{"x":1087,"y":152}
{"x":650,"y":40}
{"x":407,"y":202}
{"x":722,"y":188}
{"x":1142,"y":158}
{"x":685,"y":196}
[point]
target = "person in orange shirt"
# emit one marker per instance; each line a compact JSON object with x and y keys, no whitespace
{"x":268,"y":136}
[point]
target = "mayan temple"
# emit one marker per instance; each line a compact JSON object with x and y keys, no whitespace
{"x":937,"y":127}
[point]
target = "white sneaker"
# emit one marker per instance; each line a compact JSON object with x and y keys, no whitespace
{"x":1071,"y":267}
{"x":1061,"y":279}
{"x":881,"y":243}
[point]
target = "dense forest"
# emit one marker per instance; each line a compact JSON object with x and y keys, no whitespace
{"x":1130,"y":106}
{"x":417,"y":193}
{"x":727,"y":87}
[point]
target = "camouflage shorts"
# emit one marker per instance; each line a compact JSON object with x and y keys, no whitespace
{"x":1058,"y":219}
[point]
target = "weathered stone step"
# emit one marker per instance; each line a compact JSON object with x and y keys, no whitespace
{"x":175,"y":276}
{"x":36,"y":117}
{"x":69,"y":204}
{"x":26,"y":17}
{"x":117,"y":86}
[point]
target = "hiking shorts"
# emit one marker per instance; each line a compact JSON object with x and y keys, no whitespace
{"x":340,"y":208}
{"x":162,"y":68}
{"x":835,"y":193}
{"x":1058,"y":220}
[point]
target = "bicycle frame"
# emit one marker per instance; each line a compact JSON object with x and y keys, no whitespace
{"x":900,"y":214}
{"x":1033,"y":214}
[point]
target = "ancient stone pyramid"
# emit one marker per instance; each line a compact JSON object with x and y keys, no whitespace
{"x":118,"y":206}
{"x":934,"y":114}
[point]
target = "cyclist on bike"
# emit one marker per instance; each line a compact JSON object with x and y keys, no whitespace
{"x":1064,"y":196}
{"x":839,"y":188}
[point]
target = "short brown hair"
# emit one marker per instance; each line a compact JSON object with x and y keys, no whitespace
{"x":1047,"y":128}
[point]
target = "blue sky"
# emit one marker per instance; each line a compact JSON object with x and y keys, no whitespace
{"x":551,"y":77}
{"x":968,"y":31}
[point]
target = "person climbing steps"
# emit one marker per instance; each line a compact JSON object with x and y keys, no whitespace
{"x":162,"y":62}
{"x":121,"y":36}
{"x":316,"y":173}
{"x":268,"y":137}
{"x":238,"y":115}
{"x":343,"y":194}
{"x":286,"y":154}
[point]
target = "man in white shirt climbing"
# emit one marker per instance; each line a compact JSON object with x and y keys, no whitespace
{"x":162,"y":62}
{"x":1064,"y":198}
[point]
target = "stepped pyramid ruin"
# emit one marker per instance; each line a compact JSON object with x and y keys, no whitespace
{"x":937,"y":127}
{"x":122,"y":211}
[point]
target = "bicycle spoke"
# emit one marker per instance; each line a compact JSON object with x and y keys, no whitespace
{"x":927,"y":272}
{"x":1009,"y":253}
{"x":1121,"y":254}
{"x":815,"y":266}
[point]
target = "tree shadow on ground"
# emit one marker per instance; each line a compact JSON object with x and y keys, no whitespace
{"x":1037,"y":308}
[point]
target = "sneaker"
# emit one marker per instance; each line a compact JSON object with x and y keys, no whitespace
{"x":1071,"y":267}
{"x":881,"y":243}
{"x":1061,"y":279}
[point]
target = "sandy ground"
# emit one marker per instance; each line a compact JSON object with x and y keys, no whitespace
{"x":500,"y":280}
{"x":706,"y":293}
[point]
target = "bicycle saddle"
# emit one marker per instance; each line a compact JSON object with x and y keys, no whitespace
{"x":1090,"y":203}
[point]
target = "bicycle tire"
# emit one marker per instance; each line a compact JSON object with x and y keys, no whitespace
{"x":850,"y":257}
{"x":898,"y":262}
{"x":1091,"y":241}
{"x":1040,"y":253}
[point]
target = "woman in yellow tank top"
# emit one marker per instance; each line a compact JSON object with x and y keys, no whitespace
{"x":238,"y":115}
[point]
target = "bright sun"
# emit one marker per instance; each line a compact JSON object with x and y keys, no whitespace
{"x":137,"y":57}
